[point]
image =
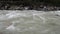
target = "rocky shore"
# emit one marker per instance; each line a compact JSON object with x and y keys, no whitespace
{"x":22,"y":7}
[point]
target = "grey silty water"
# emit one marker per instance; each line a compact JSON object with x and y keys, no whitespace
{"x":29,"y":22}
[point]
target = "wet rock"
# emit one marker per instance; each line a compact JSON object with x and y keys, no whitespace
{"x":7,"y":7}
{"x":26,"y":8}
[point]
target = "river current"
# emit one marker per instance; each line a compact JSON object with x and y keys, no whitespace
{"x":29,"y":22}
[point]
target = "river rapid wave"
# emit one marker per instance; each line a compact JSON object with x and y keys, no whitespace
{"x":29,"y":22}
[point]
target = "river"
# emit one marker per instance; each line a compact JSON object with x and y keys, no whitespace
{"x":29,"y":22}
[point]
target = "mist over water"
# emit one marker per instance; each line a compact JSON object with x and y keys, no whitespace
{"x":29,"y":22}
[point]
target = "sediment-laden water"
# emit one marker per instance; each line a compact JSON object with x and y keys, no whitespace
{"x":29,"y":22}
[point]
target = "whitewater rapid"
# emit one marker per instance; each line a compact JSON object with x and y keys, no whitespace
{"x":29,"y":22}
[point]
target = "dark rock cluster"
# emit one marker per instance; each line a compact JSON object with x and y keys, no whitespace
{"x":22,"y":7}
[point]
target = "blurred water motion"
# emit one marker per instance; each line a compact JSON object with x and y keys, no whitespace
{"x":29,"y":22}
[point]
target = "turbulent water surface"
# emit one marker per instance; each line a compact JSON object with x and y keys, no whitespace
{"x":29,"y":22}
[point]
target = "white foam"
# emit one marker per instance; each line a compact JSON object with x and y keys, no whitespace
{"x":57,"y":12}
{"x":11,"y":27}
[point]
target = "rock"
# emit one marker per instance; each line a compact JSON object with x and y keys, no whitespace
{"x":26,"y":8}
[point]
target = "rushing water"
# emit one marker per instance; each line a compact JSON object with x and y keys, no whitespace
{"x":29,"y":22}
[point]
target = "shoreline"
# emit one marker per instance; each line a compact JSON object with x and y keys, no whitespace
{"x":41,"y":7}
